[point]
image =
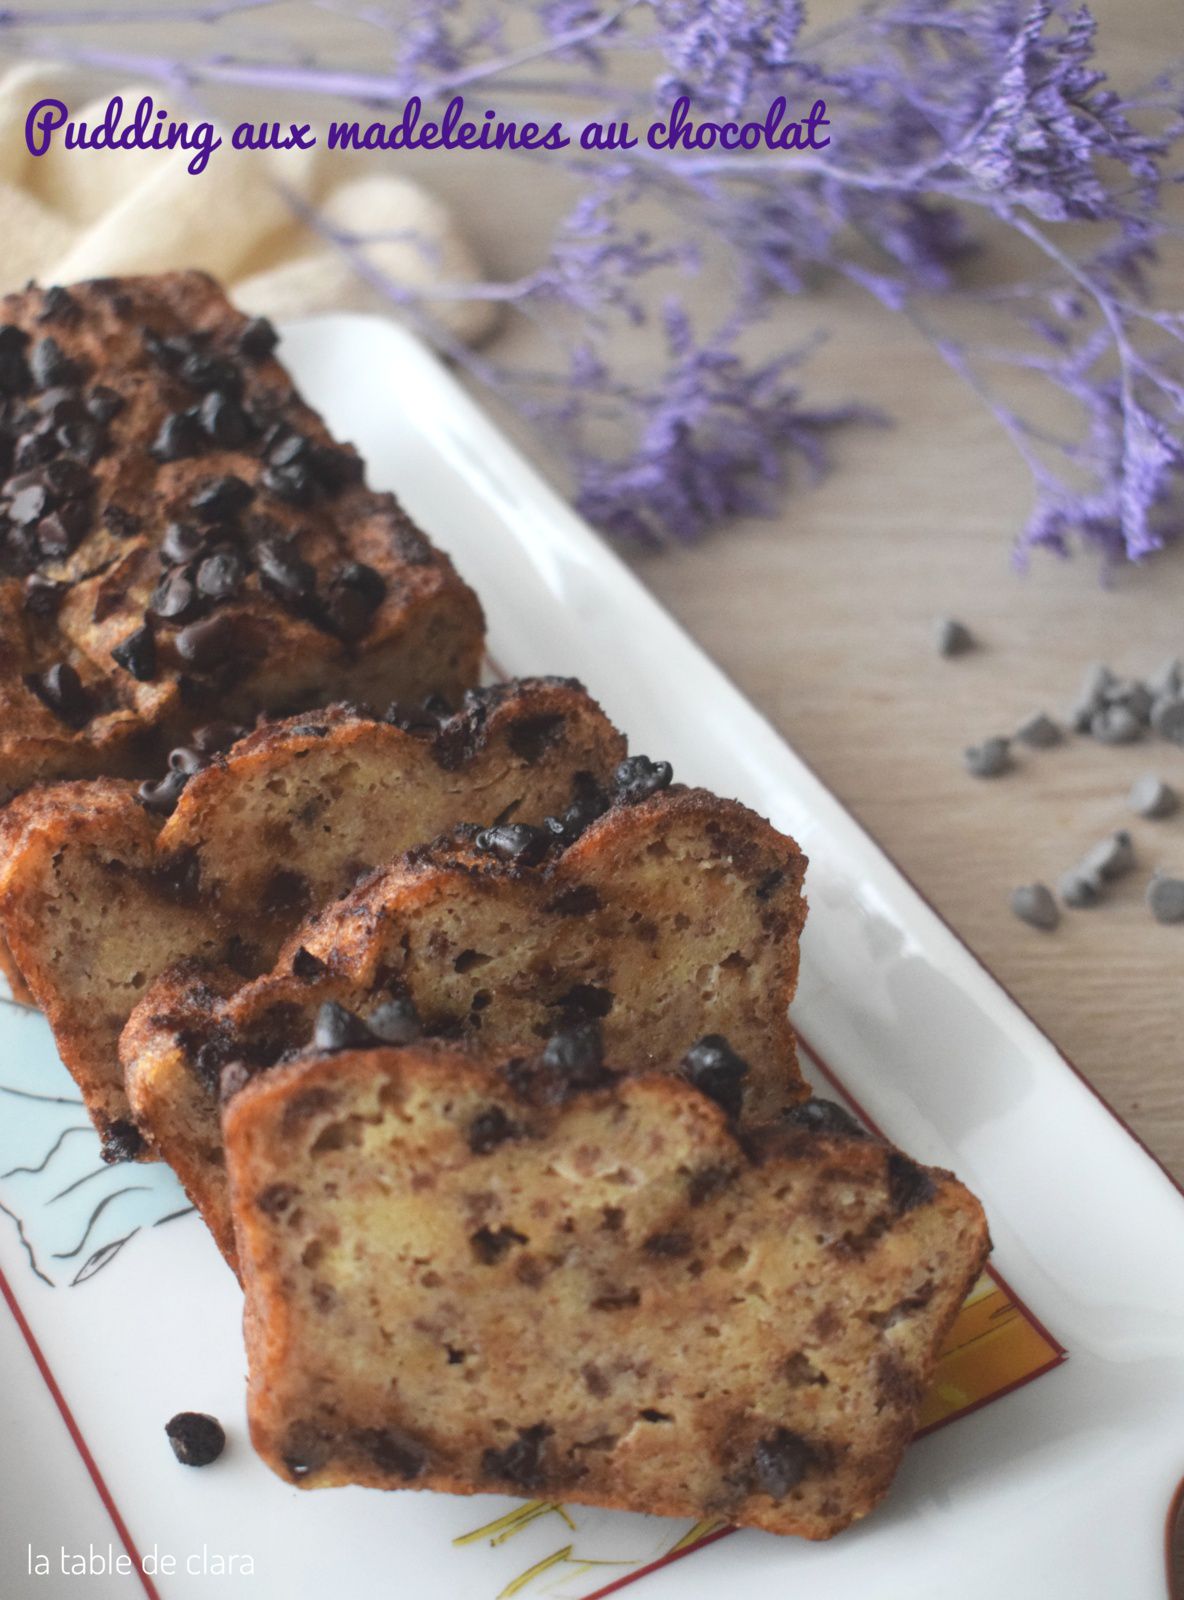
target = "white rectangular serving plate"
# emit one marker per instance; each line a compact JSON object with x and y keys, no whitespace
{"x":122,"y":1313}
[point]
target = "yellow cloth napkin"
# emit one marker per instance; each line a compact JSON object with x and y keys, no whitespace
{"x":72,"y":214}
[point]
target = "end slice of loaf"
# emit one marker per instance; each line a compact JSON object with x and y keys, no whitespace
{"x":452,"y":1283}
{"x":98,"y":898}
{"x":664,"y":921}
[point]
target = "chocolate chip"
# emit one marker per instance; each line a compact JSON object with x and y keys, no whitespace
{"x":293,"y":484}
{"x":202,"y":370}
{"x":51,"y":367}
{"x":213,"y":736}
{"x":576,"y":1054}
{"x":122,"y":523}
{"x":288,"y":448}
{"x":121,"y":1141}
{"x":519,"y":843}
{"x":82,"y":441}
{"x":182,"y":543}
{"x":187,"y":760}
{"x":1033,"y":903}
{"x":580,"y":815}
{"x":638,"y":777}
{"x":333,"y":467}
{"x":15,"y":376}
{"x":989,"y":759}
{"x":206,"y":644}
{"x":258,"y":339}
{"x":490,"y":1246}
{"x":180,"y":435}
{"x":174,"y":598}
{"x":62,"y":406}
{"x":355,"y":593}
{"x":275,"y":1199}
{"x":61,"y":532}
{"x":197,"y":1438}
{"x":822,"y":1116}
{"x":391,"y":1451}
{"x":780,"y":1461}
{"x":220,"y":576}
{"x":61,"y":689}
{"x":161,"y":797}
{"x":717,"y":1071}
{"x":1165,"y":898}
{"x":283,"y":572}
{"x":58,"y":305}
{"x":104,"y":404}
{"x":1039,"y":731}
{"x":221,"y":499}
{"x":953,"y":638}
{"x":29,"y":503}
{"x":671,"y":1245}
{"x":224,"y":420}
{"x":137,"y":654}
{"x":1150,"y":796}
{"x":43,"y":595}
{"x":307,"y":966}
{"x":909,"y":1185}
{"x":395,"y":1021}
{"x":520,"y":1463}
{"x":339,"y":1029}
{"x":488,"y":1129}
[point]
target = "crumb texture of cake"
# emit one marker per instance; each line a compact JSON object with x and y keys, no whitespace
{"x":667,"y":919}
{"x":181,"y":538}
{"x":100,"y":893}
{"x":609,"y":1298}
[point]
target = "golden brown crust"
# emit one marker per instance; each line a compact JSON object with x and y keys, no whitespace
{"x":80,"y":424}
{"x":613,"y":1299}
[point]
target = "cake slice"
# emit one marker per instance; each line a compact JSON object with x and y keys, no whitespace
{"x":672,"y":916}
{"x":483,"y":1279}
{"x":101,"y":889}
{"x":181,"y":539}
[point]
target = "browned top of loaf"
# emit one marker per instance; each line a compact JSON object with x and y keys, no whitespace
{"x":667,"y":919}
{"x":120,"y":400}
{"x":610,"y":1296}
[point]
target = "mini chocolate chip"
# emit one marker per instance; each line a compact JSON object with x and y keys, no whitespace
{"x":822,"y":1116}
{"x":258,"y":339}
{"x":180,"y":435}
{"x":43,"y":595}
{"x":104,"y":404}
{"x":520,"y":843}
{"x":224,"y":420}
{"x":488,"y":1129}
{"x":61,"y":689}
{"x":307,"y":966}
{"x":206,"y":644}
{"x":520,"y":1463}
{"x":283,"y":572}
{"x":780,"y":1461}
{"x":909,"y":1185}
{"x":717,"y":1071}
{"x":51,"y":367}
{"x":391,"y":1451}
{"x":490,"y":1246}
{"x":395,"y":1021}
{"x":174,"y":599}
{"x":137,"y":654}
{"x":339,"y":1029}
{"x":197,"y":1438}
{"x":576,"y":1055}
{"x":221,"y":499}
{"x":355,"y":593}
{"x":638,"y":777}
{"x":293,"y":484}
{"x":220,"y":576}
{"x":161,"y":797}
{"x":202,"y":370}
{"x":121,"y":1141}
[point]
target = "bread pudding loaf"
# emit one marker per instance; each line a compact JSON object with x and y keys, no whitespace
{"x":474,"y":1278}
{"x":101,"y":889}
{"x":181,"y":539}
{"x":673,"y":915}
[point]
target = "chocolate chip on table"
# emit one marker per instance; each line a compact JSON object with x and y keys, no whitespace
{"x":221,"y":499}
{"x":717,"y":1071}
{"x":51,"y":367}
{"x":220,"y":576}
{"x":637,"y":778}
{"x":1167,"y":680}
{"x":952,"y":638}
{"x":1034,"y":904}
{"x":61,"y":689}
{"x":1116,"y":724}
{"x":1167,"y":717}
{"x":258,"y":338}
{"x":196,"y":1437}
{"x":1091,"y":696}
{"x":779,"y":1462}
{"x":137,"y":654}
{"x":339,"y":1029}
{"x":1039,"y":732}
{"x":1111,"y":858}
{"x":395,"y":1021}
{"x":989,"y":759}
{"x":1079,"y":889}
{"x":519,"y":843}
{"x":283,"y":572}
{"x":160,"y":797}
{"x":1165,"y":897}
{"x":823,"y":1116}
{"x":180,"y":435}
{"x":1152,"y":797}
{"x":207,"y":643}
